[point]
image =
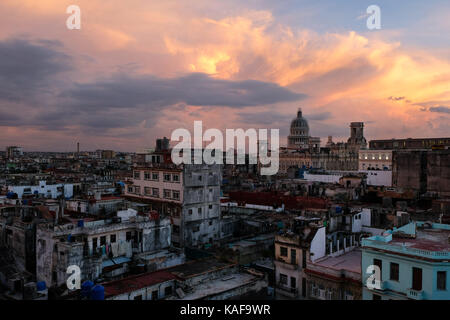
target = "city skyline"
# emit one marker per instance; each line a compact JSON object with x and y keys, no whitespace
{"x":137,"y":71}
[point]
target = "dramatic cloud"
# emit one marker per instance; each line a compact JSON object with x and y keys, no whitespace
{"x":139,"y":69}
{"x":441,"y":109}
{"x":194,"y":89}
{"x":29,"y":66}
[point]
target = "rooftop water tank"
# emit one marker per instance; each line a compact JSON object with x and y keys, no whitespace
{"x":41,"y":286}
{"x":98,"y":293}
{"x":86,"y":288}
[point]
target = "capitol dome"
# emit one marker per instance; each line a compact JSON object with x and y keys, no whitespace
{"x":299,"y":132}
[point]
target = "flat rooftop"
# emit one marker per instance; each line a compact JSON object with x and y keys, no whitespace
{"x":350,"y":261}
{"x":137,"y":282}
{"x":218,"y":286}
{"x":198,"y":267}
{"x":426,"y":239}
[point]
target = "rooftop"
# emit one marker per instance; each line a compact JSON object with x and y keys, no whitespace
{"x":421,"y":239}
{"x":345,"y":267}
{"x":426,"y":239}
{"x":137,"y":282}
{"x":198,"y":267}
{"x":218,"y":286}
{"x":350,"y":261}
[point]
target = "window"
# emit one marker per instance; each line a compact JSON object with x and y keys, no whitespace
{"x":441,"y":280}
{"x":94,"y":243}
{"x":167,"y":193}
{"x":155,"y":192}
{"x":283,"y":279}
{"x":146,"y":175}
{"x":155,"y":176}
{"x":147,"y":191}
{"x":137,"y":190}
{"x":199,"y":178}
{"x":113,"y":238}
{"x":137,"y":175}
{"x":199,"y":210}
{"x":128,"y":235}
{"x":166,"y":176}
{"x":210,"y":206}
{"x":176,"y":195}
{"x":303,"y":258}
{"x":167,"y":291}
{"x":102,"y":240}
{"x":283,"y":251}
{"x":130,"y":189}
{"x":190,"y":211}
{"x":176,"y":178}
{"x":417,"y":279}
{"x":394,"y":271}
{"x":293,"y":282}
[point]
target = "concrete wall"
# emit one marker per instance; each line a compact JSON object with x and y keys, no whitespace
{"x":379,"y":177}
{"x":429,"y":275}
{"x":44,"y":189}
{"x":318,"y":244}
{"x":328,"y":178}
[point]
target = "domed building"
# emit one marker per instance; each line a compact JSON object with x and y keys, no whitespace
{"x":299,"y":133}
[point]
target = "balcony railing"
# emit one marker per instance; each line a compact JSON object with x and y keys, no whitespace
{"x":403,"y":249}
{"x":414,"y":294}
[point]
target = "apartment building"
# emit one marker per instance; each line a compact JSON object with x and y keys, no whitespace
{"x":189,"y":194}
{"x":413,"y":263}
{"x":103,"y":249}
{"x":292,"y":252}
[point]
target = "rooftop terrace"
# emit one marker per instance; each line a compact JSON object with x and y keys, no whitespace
{"x":417,"y":238}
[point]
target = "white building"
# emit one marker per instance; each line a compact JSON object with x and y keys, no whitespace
{"x":43,"y":189}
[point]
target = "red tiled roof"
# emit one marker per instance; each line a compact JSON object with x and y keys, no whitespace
{"x":136,"y":282}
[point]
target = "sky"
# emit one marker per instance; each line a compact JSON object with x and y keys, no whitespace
{"x":139,"y":69}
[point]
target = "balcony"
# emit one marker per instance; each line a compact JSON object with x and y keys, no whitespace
{"x":414,"y":294}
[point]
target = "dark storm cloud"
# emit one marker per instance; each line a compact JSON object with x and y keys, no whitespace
{"x":264,"y":118}
{"x":8,"y":119}
{"x":440,"y":109}
{"x":193,"y":89}
{"x":27,"y":66}
{"x":31,"y":86}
